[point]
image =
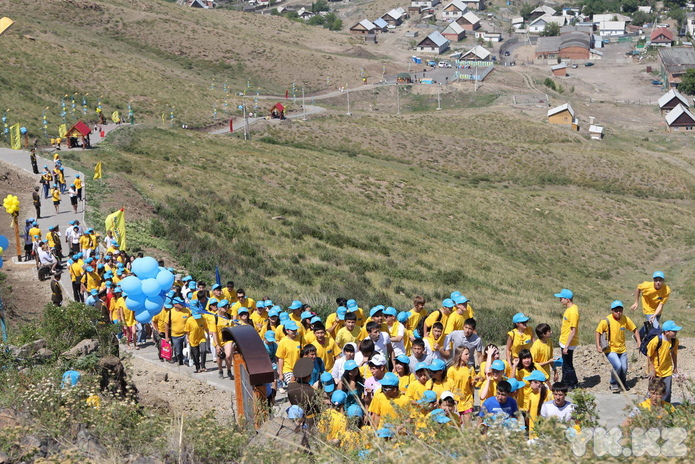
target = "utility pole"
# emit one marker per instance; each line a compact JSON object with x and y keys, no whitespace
{"x":303,"y":102}
{"x":347,"y":89}
{"x":398,"y":97}
{"x":439,"y":96}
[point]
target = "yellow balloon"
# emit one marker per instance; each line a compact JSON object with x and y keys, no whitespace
{"x":1,"y":250}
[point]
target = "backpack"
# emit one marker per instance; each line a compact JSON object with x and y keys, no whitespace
{"x":647,"y":333}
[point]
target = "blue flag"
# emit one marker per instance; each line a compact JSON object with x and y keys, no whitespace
{"x":218,"y":279}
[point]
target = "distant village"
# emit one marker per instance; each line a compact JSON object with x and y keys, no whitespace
{"x":563,"y":39}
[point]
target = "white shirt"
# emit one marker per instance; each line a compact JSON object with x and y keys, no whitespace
{"x":382,"y":343}
{"x":46,"y":258}
{"x":399,"y":347}
{"x":549,"y":409}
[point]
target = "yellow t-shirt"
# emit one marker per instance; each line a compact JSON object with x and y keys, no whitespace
{"x":332,"y":319}
{"x":216,"y":324}
{"x":570,"y":319}
{"x":416,"y":389}
{"x":128,"y":316}
{"x":456,"y":320}
{"x":404,"y":382}
{"x":117,"y":303}
{"x":195,"y":328}
{"x":618,"y":331}
{"x":327,"y":352}
{"x":436,"y":316}
{"x":542,"y":352}
{"x":460,"y":381}
{"x":259,"y":320}
{"x":385,"y":408}
{"x":76,"y":271}
{"x":531,"y":401}
{"x":415,"y":317}
{"x":289,"y":350}
{"x":248,"y":303}
{"x":491,"y":391}
{"x":229,"y":296}
{"x":91,"y":280}
{"x":333,"y":424}
{"x":178,"y":321}
{"x":651,"y":298}
{"x":78,"y":183}
{"x":520,"y":341}
{"x":439,"y":341}
{"x":647,"y":405}
{"x":344,"y":336}
{"x":663,"y":362}
{"x":55,"y":194}
{"x":440,"y":387}
{"x":34,"y":231}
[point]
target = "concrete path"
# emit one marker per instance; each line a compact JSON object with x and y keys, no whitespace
{"x":20,"y":159}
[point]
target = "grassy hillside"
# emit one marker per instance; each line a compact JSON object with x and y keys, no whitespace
{"x":297,"y":214}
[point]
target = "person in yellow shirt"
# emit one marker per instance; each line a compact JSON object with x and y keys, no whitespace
{"x":420,"y":383}
{"x":78,"y":186}
{"x":520,"y":337}
{"x":334,"y":422}
{"x":654,"y":296}
{"x":242,"y":302}
{"x":353,"y":307}
{"x":229,"y":293}
{"x":196,"y":331}
{"x":296,"y":311}
{"x":349,"y":333}
{"x":458,"y":316}
{"x":289,"y":351}
{"x":537,"y":395}
{"x":403,"y":318}
{"x":260,"y":316}
{"x":76,"y":275}
{"x":542,"y":350}
{"x":273,"y":321}
{"x":401,"y":367}
{"x":522,"y":367}
{"x":223,"y":349}
{"x":176,"y":328}
{"x":662,"y":353}
{"x":127,"y":318}
{"x":493,"y":377}
{"x":387,"y":400}
{"x":441,"y":315}
{"x":91,"y":279}
{"x":438,"y":379}
{"x":654,"y":403}
{"x":336,"y":321}
{"x":417,"y":314}
{"x":435,"y":340}
{"x":326,"y":348}
{"x":616,"y":325}
{"x":569,"y":337}
{"x":460,"y":376}
{"x":376,"y":314}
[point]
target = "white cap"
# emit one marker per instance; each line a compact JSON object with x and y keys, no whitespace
{"x":378,"y":360}
{"x":446,"y":394}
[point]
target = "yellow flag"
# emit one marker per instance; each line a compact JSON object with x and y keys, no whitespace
{"x":15,"y":137}
{"x":115,"y":117}
{"x":62,"y":131}
{"x":5,"y":24}
{"x":97,"y":171}
{"x":116,"y":223}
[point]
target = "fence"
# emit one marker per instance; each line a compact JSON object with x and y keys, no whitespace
{"x":479,"y":76}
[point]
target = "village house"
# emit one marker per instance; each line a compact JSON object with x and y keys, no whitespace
{"x":674,"y":62}
{"x":518,"y":22}
{"x":596,"y":131}
{"x":572,"y":46}
{"x":364,"y":27}
{"x":541,"y":10}
{"x":559,"y":70}
{"x":563,"y":115}
{"x":205,"y":4}
{"x":538,"y":24}
{"x":454,"y":9}
{"x":394,"y":17}
{"x":475,"y":4}
{"x":381,"y":24}
{"x":477,"y":53}
{"x":680,"y":119}
{"x":434,"y":43}
{"x":454,"y":32}
{"x":661,"y":37}
{"x":670,"y":100}
{"x":469,"y":21}
{"x":424,"y":4}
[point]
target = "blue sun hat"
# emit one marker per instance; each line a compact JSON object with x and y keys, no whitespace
{"x":327,"y":382}
{"x":315,"y":319}
{"x":428,"y":396}
{"x":294,"y":412}
{"x":448,"y":303}
{"x":390,"y":311}
{"x":565,"y":293}
{"x":306,"y":315}
{"x":355,"y":410}
{"x":438,"y":365}
{"x":341,"y":312}
{"x":296,"y":304}
{"x":519,"y":318}
{"x":439,"y":416}
{"x":536,"y":375}
{"x":498,"y":365}
{"x":455,"y":295}
{"x":291,"y":325}
{"x":403,"y":316}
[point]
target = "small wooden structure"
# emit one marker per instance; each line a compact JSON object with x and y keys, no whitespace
{"x":404,"y":78}
{"x":563,"y":115}
{"x":277,"y":111}
{"x":79,"y":130}
{"x":559,"y":70}
{"x":253,"y":372}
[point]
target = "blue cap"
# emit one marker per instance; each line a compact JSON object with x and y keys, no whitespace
{"x":351,"y":304}
{"x":460,"y":299}
{"x":109,"y":284}
{"x":455,"y":295}
{"x":118,"y":289}
{"x":338,"y":397}
{"x":242,"y":310}
{"x":89,"y":269}
{"x":260,"y":304}
{"x":108,"y":275}
{"x":536,"y":375}
{"x":515,"y":384}
{"x":390,"y":311}
{"x":167,"y":304}
{"x":375,"y":310}
{"x":389,"y":380}
{"x":558,"y":362}
{"x":296,"y":304}
{"x":428,"y":396}
{"x":341,"y":312}
{"x":520,"y":317}
{"x":564,"y":293}
{"x":617,"y":304}
{"x":284,"y":316}
{"x":268,"y":303}
{"x":439,"y":416}
{"x":327,"y":382}
{"x":177,"y":301}
{"x":171,"y":293}
{"x":355,"y":410}
{"x":186,"y":278}
{"x":223,"y":303}
{"x":295,"y":412}
{"x":658,"y":275}
{"x":306,"y":315}
{"x":215,"y":287}
{"x":315,"y":319}
{"x":94,"y":291}
{"x":403,"y":359}
{"x":273,"y":312}
{"x":71,"y":378}
{"x":192,"y":285}
{"x":421,"y":365}
{"x":350,"y":365}
{"x":437,"y":365}
{"x":403,"y":316}
{"x":448,"y":303}
{"x":670,"y":325}
{"x":384,"y":432}
{"x":498,"y":365}
{"x":291,"y":325}
{"x":196,"y":314}
{"x":269,"y":336}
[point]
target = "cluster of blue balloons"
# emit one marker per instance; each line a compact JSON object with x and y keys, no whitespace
{"x":146,"y":290}
{"x":4,"y":243}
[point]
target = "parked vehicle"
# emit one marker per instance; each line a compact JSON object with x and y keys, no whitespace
{"x":575,"y":66}
{"x":588,"y":64}
{"x":444,"y":64}
{"x":507,"y":53}
{"x":656,"y":82}
{"x":431,"y":63}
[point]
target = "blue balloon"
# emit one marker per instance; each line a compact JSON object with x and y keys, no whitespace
{"x":0,"y":261}
{"x":4,"y":242}
{"x":134,"y":305}
{"x":150,"y":287}
{"x":23,"y":131}
{"x":131,"y":285}
{"x":145,"y":317}
{"x":165,"y":279}
{"x":146,"y":268}
{"x":154,"y":305}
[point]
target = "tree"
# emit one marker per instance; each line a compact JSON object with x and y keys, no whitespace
{"x":316,"y":20}
{"x":629,"y":6}
{"x":336,"y":25}
{"x":526,"y":11}
{"x":319,"y":5}
{"x":679,"y":15}
{"x":592,"y":7}
{"x":687,"y":84}
{"x":551,"y":30}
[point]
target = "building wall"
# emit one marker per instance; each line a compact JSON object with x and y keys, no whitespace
{"x":564,"y":118}
{"x":560,"y":72}
{"x":455,"y":37}
{"x":574,"y":53}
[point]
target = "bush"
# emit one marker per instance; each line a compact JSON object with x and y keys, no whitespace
{"x":548,"y":82}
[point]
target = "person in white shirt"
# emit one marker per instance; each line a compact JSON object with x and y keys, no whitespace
{"x":558,"y":407}
{"x":339,"y":367}
{"x":382,"y":340}
{"x":46,"y":258}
